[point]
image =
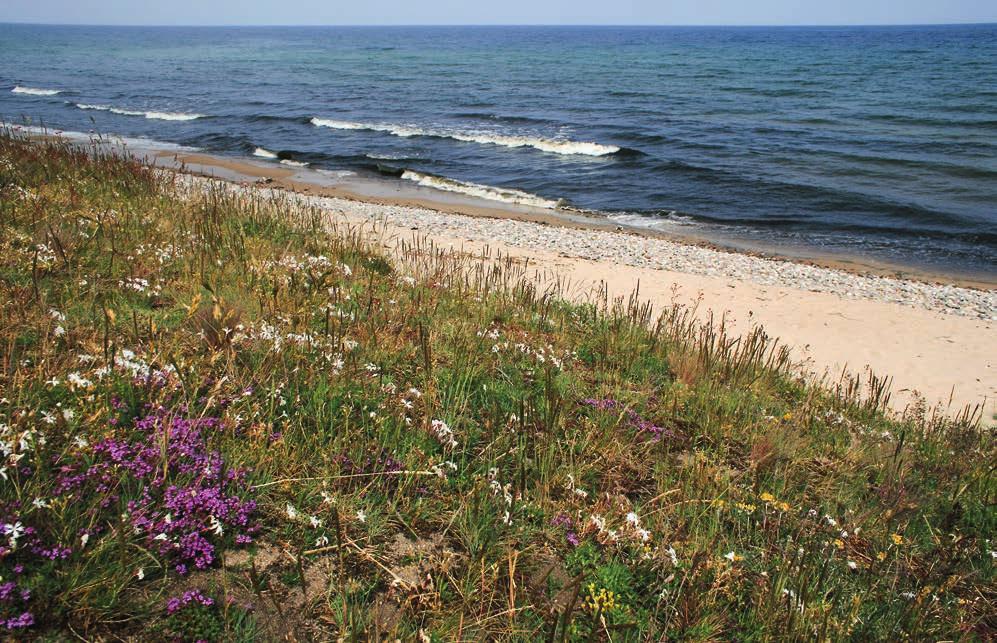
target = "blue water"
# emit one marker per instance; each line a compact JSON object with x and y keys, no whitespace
{"x":876,"y":142}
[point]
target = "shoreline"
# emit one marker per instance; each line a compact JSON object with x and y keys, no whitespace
{"x":385,"y":192}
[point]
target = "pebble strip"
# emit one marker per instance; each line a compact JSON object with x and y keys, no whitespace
{"x":647,"y":252}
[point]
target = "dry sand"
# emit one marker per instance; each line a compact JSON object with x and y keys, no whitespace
{"x":949,"y":359}
{"x":940,"y":356}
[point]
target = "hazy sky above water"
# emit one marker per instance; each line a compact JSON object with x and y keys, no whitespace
{"x":413,"y":12}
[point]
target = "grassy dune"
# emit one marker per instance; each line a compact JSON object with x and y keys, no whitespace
{"x":224,"y":418}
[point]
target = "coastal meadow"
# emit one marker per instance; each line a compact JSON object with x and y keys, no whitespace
{"x":228,"y":417}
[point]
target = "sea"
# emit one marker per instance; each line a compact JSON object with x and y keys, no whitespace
{"x":868,"y":143}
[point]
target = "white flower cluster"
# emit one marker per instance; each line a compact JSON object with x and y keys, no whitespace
{"x":502,"y":491}
{"x":45,"y":255}
{"x":542,"y":355}
{"x":444,"y":434}
{"x":141,"y":286}
{"x":15,"y":445}
{"x":163,"y":254}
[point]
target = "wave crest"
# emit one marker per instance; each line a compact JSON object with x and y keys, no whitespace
{"x":554,"y":146}
{"x":35,"y":91}
{"x":160,"y":116}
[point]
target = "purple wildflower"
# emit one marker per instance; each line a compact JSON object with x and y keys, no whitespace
{"x":26,"y":619}
{"x":189,"y":501}
{"x":640,"y":424}
{"x":177,"y":603}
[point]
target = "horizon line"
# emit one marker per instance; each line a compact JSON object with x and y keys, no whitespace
{"x":497,"y":24}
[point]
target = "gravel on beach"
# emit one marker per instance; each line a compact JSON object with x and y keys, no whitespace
{"x":648,"y":252}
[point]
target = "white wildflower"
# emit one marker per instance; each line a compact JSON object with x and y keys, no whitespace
{"x":673,"y":556}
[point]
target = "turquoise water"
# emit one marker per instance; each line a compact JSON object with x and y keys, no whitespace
{"x":878,"y":142}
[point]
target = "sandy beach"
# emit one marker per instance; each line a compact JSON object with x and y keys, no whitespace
{"x":936,"y":340}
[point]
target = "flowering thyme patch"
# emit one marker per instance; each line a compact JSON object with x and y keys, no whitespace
{"x":189,"y":503}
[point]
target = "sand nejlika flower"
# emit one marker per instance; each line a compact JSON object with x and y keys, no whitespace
{"x":444,"y":434}
{"x":672,"y":556}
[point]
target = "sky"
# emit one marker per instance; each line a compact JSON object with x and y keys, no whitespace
{"x":413,"y":12}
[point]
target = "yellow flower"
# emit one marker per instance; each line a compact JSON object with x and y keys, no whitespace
{"x":840,"y":544}
{"x":767,"y":497}
{"x":783,"y":506}
{"x":897,"y":539}
{"x":745,"y":507}
{"x":881,"y":556}
{"x":718,"y":502}
{"x":788,"y":416}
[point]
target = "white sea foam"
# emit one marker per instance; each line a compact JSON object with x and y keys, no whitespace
{"x":34,"y":91}
{"x":293,"y":163}
{"x":484,"y":138}
{"x":173,"y":116}
{"x":633,"y":219}
{"x":505,"y":195}
{"x":161,"y":116}
{"x":337,"y":174}
{"x":264,"y":153}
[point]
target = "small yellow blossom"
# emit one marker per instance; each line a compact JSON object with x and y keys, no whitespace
{"x":767,"y":497}
{"x":881,"y":556}
{"x":787,"y":416}
{"x":782,"y":506}
{"x":840,"y":544}
{"x":602,"y":600}
{"x":897,"y":539}
{"x":745,"y":507}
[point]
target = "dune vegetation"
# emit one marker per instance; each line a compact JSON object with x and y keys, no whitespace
{"x":226,"y":418}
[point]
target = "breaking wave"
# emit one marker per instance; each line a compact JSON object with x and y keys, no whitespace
{"x":554,"y":146}
{"x":505,"y":195}
{"x":159,"y":116}
{"x":34,"y":91}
